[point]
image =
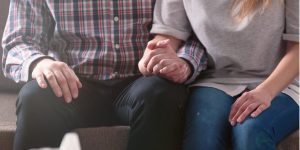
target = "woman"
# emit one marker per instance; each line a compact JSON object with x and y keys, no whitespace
{"x":248,"y":93}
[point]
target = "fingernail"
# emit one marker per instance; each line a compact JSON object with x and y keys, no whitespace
{"x":239,"y":120}
{"x":232,"y":123}
{"x":59,"y":95}
{"x":75,"y":95}
{"x":68,"y":100}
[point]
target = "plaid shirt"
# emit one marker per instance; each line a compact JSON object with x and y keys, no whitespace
{"x":99,"y":39}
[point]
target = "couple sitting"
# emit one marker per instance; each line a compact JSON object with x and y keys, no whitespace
{"x":89,"y":64}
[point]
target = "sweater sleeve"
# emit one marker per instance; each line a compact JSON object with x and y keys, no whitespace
{"x":194,"y":52}
{"x":170,"y":18}
{"x":291,"y":20}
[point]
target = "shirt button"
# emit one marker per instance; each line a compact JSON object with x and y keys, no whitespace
{"x":117,"y":46}
{"x":116,"y":18}
{"x":115,"y":74}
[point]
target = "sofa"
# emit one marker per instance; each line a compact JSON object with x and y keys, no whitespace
{"x":103,"y":138}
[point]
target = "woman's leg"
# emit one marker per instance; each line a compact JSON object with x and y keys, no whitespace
{"x":265,"y":131}
{"x":207,"y":125}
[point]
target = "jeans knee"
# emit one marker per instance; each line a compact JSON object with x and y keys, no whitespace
{"x":32,"y":96}
{"x":252,"y":132}
{"x":249,"y":126}
{"x":156,"y":91}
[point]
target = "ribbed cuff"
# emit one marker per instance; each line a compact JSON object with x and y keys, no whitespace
{"x":167,"y":30}
{"x":291,"y":37}
{"x":195,"y":65}
{"x":27,"y":63}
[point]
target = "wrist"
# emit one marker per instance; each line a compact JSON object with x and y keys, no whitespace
{"x":268,"y":91}
{"x":189,"y":68}
{"x":36,"y":62}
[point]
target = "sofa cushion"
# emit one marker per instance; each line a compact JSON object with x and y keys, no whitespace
{"x":110,"y":138}
{"x":106,"y":138}
{"x":7,"y":120}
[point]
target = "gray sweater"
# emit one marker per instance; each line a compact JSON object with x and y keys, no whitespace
{"x":241,"y":55}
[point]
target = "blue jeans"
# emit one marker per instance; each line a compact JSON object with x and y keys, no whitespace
{"x":208,"y":128}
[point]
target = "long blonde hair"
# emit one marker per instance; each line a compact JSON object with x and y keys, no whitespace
{"x":243,"y":8}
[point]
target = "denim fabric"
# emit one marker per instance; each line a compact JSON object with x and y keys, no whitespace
{"x":208,"y":128}
{"x":152,"y":106}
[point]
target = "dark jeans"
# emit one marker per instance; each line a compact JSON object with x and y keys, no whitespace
{"x":208,"y":128}
{"x":152,"y":106}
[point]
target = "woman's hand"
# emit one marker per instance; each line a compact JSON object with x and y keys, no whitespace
{"x":253,"y":102}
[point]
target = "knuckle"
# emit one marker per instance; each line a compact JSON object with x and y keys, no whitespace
{"x":163,"y":62}
{"x":67,"y":74}
{"x":251,"y":107}
{"x":63,"y":81}
{"x":73,"y":81}
{"x":61,"y":64}
{"x":49,"y":75}
{"x":246,"y":94}
{"x":155,"y":59}
{"x":152,"y":54}
{"x":53,"y":65}
{"x":242,"y":109}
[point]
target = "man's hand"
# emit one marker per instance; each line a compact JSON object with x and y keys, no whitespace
{"x":161,"y":59}
{"x":176,"y":70}
{"x":60,"y":77}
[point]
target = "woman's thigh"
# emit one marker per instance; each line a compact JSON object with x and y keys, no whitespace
{"x":270,"y":127}
{"x":207,"y":125}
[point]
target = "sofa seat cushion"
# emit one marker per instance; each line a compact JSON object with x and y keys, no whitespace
{"x":7,"y":120}
{"x":109,"y":138}
{"x":106,"y":138}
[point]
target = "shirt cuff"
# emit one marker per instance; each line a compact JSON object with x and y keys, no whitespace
{"x":291,"y":37}
{"x":195,"y":65}
{"x":27,"y":63}
{"x":167,"y":30}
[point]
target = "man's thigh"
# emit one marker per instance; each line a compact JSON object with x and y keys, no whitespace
{"x":93,"y":107}
{"x":147,"y":94}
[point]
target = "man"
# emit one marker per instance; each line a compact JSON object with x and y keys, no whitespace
{"x":80,"y":62}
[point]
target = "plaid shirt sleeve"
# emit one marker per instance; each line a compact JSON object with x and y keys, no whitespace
{"x":194,"y":52}
{"x":25,"y":37}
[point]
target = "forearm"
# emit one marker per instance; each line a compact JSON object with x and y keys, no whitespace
{"x":194,"y":52}
{"x":285,"y":72}
{"x":174,"y":42}
{"x":24,"y":38}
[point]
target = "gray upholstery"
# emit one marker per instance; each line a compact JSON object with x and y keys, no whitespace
{"x":107,"y":138}
{"x":104,"y":138}
{"x":7,"y":120}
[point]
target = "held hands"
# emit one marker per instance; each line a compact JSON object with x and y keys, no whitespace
{"x":60,"y":77}
{"x":162,"y":60}
{"x":250,"y":103}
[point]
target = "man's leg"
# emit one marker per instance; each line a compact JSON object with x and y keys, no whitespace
{"x":43,"y":118}
{"x":154,"y":108}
